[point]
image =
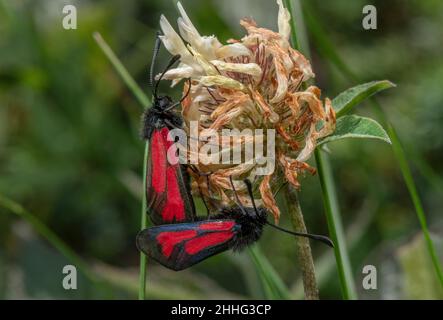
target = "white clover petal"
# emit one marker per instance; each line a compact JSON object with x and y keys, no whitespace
{"x":232,"y":50}
{"x":307,"y":72}
{"x":313,"y":102}
{"x":310,"y":145}
{"x":329,"y":123}
{"x":302,"y":64}
{"x":171,"y":39}
{"x":200,"y":95}
{"x":283,"y":56}
{"x":205,"y":45}
{"x":207,"y":67}
{"x":174,"y":44}
{"x":282,"y":81}
{"x":209,"y":46}
{"x":181,"y":72}
{"x":252,"y":69}
{"x":221,"y":81}
{"x":284,"y":28}
{"x":187,"y":21}
{"x":175,"y":82}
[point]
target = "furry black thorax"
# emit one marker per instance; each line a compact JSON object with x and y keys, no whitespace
{"x":158,"y":117}
{"x":251,"y":224}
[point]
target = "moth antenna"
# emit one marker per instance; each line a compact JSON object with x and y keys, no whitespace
{"x":173,"y":60}
{"x":249,"y":187}
{"x":187,"y":92}
{"x":237,"y":199}
{"x":317,"y":237}
{"x":183,"y":98}
{"x":154,"y":59}
{"x":321,"y":238}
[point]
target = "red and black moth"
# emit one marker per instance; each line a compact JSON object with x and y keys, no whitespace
{"x":167,"y":185}
{"x":179,"y":246}
{"x":180,"y":238}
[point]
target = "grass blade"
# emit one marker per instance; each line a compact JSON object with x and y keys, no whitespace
{"x":273,"y":286}
{"x":143,"y":225}
{"x":409,"y":180}
{"x":123,"y":73}
{"x":323,"y":44}
{"x":50,"y":236}
{"x":145,"y":103}
{"x":330,"y":198}
{"x":330,"y":52}
{"x":335,"y":225}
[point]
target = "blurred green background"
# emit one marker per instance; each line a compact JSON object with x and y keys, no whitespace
{"x":70,"y":152}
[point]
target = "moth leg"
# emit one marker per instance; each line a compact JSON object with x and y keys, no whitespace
{"x":237,"y":200}
{"x":170,"y":124}
{"x":203,"y":174}
{"x":204,"y":202}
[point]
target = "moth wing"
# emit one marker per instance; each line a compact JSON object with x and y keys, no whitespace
{"x":167,"y":186}
{"x":179,"y":246}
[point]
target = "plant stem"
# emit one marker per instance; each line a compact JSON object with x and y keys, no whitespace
{"x":326,"y":178}
{"x":145,"y":103}
{"x":143,"y":225}
{"x":304,"y":253}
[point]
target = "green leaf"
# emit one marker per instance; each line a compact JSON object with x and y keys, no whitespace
{"x":346,"y":100}
{"x":353,"y":126}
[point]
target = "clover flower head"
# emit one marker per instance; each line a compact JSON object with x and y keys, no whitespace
{"x":256,"y":82}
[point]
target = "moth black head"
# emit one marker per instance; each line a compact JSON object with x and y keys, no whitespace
{"x":162,"y":103}
{"x":159,"y":116}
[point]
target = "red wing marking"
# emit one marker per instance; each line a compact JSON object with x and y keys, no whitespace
{"x":171,"y":154}
{"x":196,"y":245}
{"x":158,"y":156}
{"x":174,"y":208}
{"x":167,"y":197}
{"x":168,"y":240}
{"x":217,"y":225}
